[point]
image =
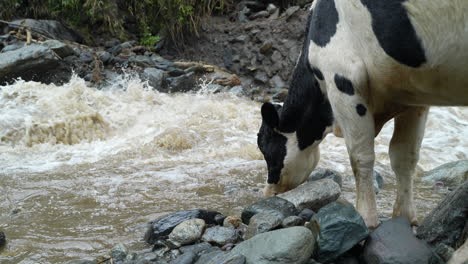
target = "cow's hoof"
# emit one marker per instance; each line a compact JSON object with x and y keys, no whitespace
{"x":371,"y":222}
{"x":406,"y":211}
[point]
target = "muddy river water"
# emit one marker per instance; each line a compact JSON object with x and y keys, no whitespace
{"x":83,"y":169}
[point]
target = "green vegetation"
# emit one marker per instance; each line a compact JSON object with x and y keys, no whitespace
{"x":149,"y":19}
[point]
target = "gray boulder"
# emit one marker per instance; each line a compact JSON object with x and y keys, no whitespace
{"x":33,"y":63}
{"x":220,"y":235}
{"x":451,"y":174}
{"x":340,"y":228}
{"x":445,"y":223}
{"x":183,"y":83}
{"x":154,"y":76}
{"x":322,"y":173}
{"x":273,"y":205}
{"x":394,"y":242}
{"x":188,"y":231}
{"x":292,"y":245}
{"x":60,"y":48}
{"x":291,"y":221}
{"x":13,"y":47}
{"x":261,"y":223}
{"x":220,"y":257}
{"x":186,"y":258}
{"x":163,"y":226}
{"x":119,"y":253}
{"x":51,"y":28}
{"x":313,"y":195}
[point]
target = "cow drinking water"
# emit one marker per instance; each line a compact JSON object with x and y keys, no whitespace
{"x":363,"y":63}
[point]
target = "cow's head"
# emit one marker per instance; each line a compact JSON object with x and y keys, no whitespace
{"x":289,"y":164}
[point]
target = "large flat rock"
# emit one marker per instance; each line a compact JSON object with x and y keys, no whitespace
{"x":313,"y":195}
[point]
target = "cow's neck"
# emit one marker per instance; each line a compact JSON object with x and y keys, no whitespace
{"x":306,"y":111}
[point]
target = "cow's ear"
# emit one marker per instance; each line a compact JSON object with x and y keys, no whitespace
{"x":270,"y":115}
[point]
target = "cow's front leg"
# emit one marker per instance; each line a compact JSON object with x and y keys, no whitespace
{"x":404,"y":155}
{"x":351,"y":111}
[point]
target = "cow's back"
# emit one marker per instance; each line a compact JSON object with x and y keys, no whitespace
{"x":415,"y":52}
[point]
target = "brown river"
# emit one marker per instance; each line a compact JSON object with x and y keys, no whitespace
{"x":82,"y":169}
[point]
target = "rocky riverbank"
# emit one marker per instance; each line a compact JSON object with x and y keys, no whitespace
{"x":309,"y":224}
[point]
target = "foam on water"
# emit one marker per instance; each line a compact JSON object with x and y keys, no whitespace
{"x":87,"y":168}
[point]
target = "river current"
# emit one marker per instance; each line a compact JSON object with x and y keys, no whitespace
{"x":83,"y":169}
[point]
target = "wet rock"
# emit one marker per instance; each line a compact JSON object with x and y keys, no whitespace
{"x":460,"y":255}
{"x":141,"y":61}
{"x":322,"y":173}
{"x":273,"y":205}
{"x":182,"y":83}
{"x":188,"y":231}
{"x":261,"y":223}
{"x":13,"y":47}
{"x":289,"y":245}
{"x":313,"y":195}
{"x":291,"y":221}
{"x":119,"y":253}
{"x":2,"y":239}
{"x":306,"y":214}
{"x":154,"y":76}
{"x":341,"y":228}
{"x":219,"y":219}
{"x":290,"y":12}
{"x":261,"y":77}
{"x":51,"y":28}
{"x":446,"y":222}
{"x":275,"y":15}
{"x":232,"y":221}
{"x":186,"y":258}
{"x":237,"y":90}
{"x":196,"y":248}
{"x":105,"y":57}
{"x":82,"y":261}
{"x":444,"y":251}
{"x":220,"y":235}
{"x":61,"y":49}
{"x":271,"y":8}
{"x":163,"y":226}
{"x":211,"y":257}
{"x":266,"y":47}
{"x":86,"y":57}
{"x":33,"y":63}
{"x":261,"y":14}
{"x":394,"y":242}
{"x":451,"y":174}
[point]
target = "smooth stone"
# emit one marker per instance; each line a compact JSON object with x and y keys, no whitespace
{"x":340,"y":227}
{"x":154,"y":76}
{"x":273,"y":205}
{"x":105,"y":57}
{"x":306,"y":214}
{"x":271,"y":8}
{"x":86,"y":57}
{"x":292,"y":245}
{"x":261,"y":223}
{"x":277,"y":83}
{"x":444,"y":251}
{"x":219,"y":219}
{"x":291,"y":221}
{"x":451,"y":174}
{"x":446,"y":223}
{"x":188,"y":231}
{"x":33,"y":63}
{"x":119,"y":253}
{"x":164,"y":225}
{"x":82,"y":261}
{"x":211,"y":257}
{"x":313,"y":195}
{"x":52,"y":28}
{"x":220,"y":236}
{"x":141,"y":60}
{"x":196,"y":248}
{"x":61,"y":49}
{"x":291,"y":11}
{"x":322,"y":173}
{"x":394,"y":242}
{"x":261,"y":76}
{"x":186,"y":258}
{"x":13,"y":47}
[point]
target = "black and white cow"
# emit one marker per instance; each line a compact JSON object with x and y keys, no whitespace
{"x":363,"y":63}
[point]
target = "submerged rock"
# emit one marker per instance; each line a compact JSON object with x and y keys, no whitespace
{"x":445,"y":223}
{"x":286,"y":246}
{"x":220,"y":235}
{"x":261,"y":223}
{"x":313,"y":195}
{"x":164,"y":225}
{"x":188,"y":231}
{"x":33,"y":63}
{"x":451,"y":174}
{"x":273,"y":205}
{"x":340,"y":227}
{"x":2,"y":239}
{"x":394,"y":242}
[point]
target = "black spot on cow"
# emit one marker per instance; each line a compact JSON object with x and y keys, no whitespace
{"x":394,"y":31}
{"x":317,"y":73}
{"x":271,"y":144}
{"x":324,"y":22}
{"x":361,"y":109}
{"x":344,"y":84}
